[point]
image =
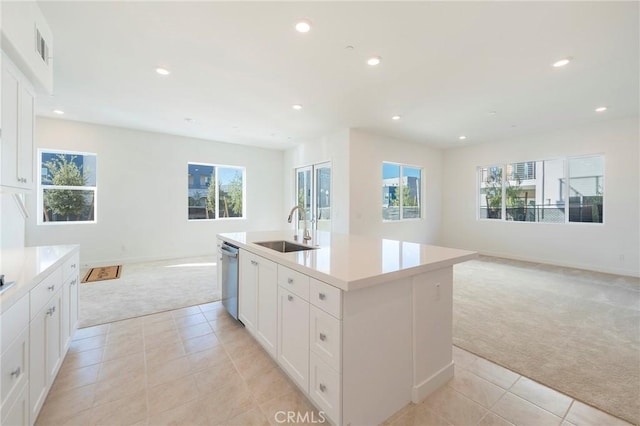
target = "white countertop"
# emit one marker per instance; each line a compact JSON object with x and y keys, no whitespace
{"x":27,"y":267}
{"x":350,"y":262}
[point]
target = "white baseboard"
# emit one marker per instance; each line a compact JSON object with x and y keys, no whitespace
{"x":424,"y":389}
{"x":139,"y":259}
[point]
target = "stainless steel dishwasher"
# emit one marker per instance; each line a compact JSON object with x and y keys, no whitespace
{"x":229,"y":285}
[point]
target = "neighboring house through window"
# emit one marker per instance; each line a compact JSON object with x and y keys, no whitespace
{"x":401,"y":192}
{"x":215,"y":192}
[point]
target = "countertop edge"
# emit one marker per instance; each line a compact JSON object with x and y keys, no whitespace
{"x":9,"y":298}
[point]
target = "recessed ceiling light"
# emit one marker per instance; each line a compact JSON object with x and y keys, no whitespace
{"x":297,"y":107}
{"x":163,"y":71}
{"x":190,"y":120}
{"x":463,"y":137}
{"x":561,"y":62}
{"x":374,"y":60}
{"x":493,"y":112}
{"x":303,"y":26}
{"x":395,"y":117}
{"x":58,"y":111}
{"x":601,"y":109}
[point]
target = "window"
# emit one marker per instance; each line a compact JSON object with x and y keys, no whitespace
{"x":67,"y":187}
{"x":215,"y":192}
{"x":536,"y":191}
{"x":586,"y":189}
{"x":401,"y":192}
{"x":313,"y":191}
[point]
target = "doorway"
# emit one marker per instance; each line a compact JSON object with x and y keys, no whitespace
{"x":313,"y":190}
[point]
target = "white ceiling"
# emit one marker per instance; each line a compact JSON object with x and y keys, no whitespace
{"x":238,"y":67}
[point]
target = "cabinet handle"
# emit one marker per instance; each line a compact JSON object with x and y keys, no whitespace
{"x":290,"y":280}
{"x":51,"y":311}
{"x":73,"y":266}
{"x":51,"y":287}
{"x":322,"y":296}
{"x":322,"y":387}
{"x":15,"y":373}
{"x":323,"y":337}
{"x":253,"y":262}
{"x":290,"y":297}
{"x":74,"y":281}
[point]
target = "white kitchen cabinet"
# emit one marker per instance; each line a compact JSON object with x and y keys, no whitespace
{"x":293,"y":336}
{"x":18,"y":118}
{"x":258,"y":304}
{"x":248,"y":291}
{"x":16,"y":412}
{"x":46,"y":351}
{"x":69,"y":311}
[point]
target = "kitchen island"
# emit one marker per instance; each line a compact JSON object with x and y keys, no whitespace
{"x":362,"y":325}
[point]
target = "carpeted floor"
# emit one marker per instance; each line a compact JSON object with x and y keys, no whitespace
{"x":146,"y":288}
{"x":573,"y":330}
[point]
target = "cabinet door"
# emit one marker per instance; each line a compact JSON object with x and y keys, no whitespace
{"x":37,"y":362}
{"x":53,"y":328}
{"x":293,"y":336}
{"x":267,"y":316}
{"x":10,"y":114}
{"x":18,"y":413}
{"x":73,"y":305}
{"x":65,"y":329}
{"x":247,"y":291}
{"x":25,"y":156}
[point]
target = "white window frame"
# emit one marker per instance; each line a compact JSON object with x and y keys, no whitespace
{"x":42,"y":187}
{"x":565,"y":191}
{"x":421,"y":192}
{"x":217,"y":190}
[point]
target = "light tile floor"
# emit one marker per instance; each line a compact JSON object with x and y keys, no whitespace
{"x":196,"y":366}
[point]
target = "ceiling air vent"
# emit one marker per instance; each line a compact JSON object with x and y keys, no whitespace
{"x":42,"y":47}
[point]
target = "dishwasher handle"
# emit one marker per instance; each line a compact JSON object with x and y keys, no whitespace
{"x":227,"y":252}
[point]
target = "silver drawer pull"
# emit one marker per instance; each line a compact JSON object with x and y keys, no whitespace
{"x":290,"y":280}
{"x":323,"y":337}
{"x":290,"y":297}
{"x":73,"y":266}
{"x":253,"y":262}
{"x":15,"y":373}
{"x":322,"y":387}
{"x":74,"y":281}
{"x":51,"y":287}
{"x":321,"y":296}
{"x":51,"y":311}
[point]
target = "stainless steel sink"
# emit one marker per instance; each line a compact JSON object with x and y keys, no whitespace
{"x":284,"y":246}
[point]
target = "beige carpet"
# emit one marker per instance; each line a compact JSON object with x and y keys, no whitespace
{"x":146,"y":288}
{"x":573,"y":330}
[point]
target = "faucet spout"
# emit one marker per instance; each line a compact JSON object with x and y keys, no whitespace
{"x":301,"y":211}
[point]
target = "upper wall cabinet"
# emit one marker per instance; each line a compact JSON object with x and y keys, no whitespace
{"x":28,"y":41}
{"x":18,"y":118}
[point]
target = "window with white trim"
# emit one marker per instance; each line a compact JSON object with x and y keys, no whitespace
{"x":215,"y":192}
{"x":67,"y":188}
{"x":401,"y":192}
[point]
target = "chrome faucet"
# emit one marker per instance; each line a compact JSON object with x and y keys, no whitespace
{"x":306,"y":236}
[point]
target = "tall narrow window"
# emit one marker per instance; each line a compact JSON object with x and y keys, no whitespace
{"x":401,"y":192}
{"x":215,"y":192}
{"x":67,"y":187}
{"x":490,"y":198}
{"x":586,"y":189}
{"x":313,"y":193}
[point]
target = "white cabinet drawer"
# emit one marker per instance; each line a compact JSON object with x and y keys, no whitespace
{"x":294,"y":281}
{"x":16,"y":413}
{"x":42,"y":293}
{"x":325,"y":388}
{"x":326,"y":297}
{"x":14,"y":366}
{"x":71,"y":266}
{"x":325,"y":337}
{"x":13,"y":322}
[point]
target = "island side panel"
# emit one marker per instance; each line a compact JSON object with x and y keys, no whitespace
{"x":376,"y":352}
{"x":432,"y":326}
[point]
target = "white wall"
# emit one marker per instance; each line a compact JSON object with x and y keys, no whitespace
{"x":12,"y":223}
{"x":333,"y":148}
{"x":356,"y":158}
{"x":367,"y":152}
{"x":142,"y":193}
{"x":610,"y":247}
